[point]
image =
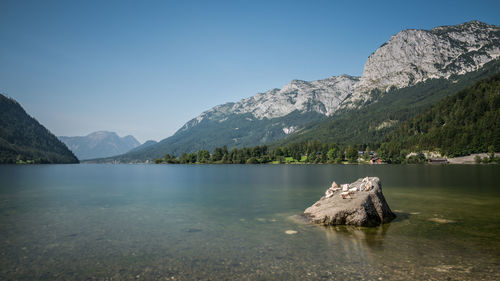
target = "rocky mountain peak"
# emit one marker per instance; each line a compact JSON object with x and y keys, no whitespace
{"x":296,"y":85}
{"x":469,"y":27}
{"x":321,"y":96}
{"x":415,"y":55}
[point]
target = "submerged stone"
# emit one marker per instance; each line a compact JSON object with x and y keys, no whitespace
{"x":441,"y":220}
{"x":360,"y":203}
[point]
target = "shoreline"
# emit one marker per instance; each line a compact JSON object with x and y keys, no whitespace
{"x":470,"y":159}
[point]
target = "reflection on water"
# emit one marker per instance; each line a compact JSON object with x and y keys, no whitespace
{"x":129,"y":222}
{"x":354,"y":238}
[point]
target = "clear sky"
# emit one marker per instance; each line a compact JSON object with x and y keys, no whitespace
{"x":147,"y":67}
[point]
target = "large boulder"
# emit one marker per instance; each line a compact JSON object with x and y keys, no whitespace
{"x":360,"y":203}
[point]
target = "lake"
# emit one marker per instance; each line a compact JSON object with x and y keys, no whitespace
{"x":228,"y":222}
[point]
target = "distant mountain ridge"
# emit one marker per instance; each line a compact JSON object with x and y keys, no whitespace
{"x":409,"y":58}
{"x":320,"y":96}
{"x":99,"y":144}
{"x":25,"y":140}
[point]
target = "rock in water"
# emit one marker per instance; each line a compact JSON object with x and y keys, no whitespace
{"x":363,"y":205}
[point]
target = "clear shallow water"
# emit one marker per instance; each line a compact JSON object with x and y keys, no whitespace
{"x":218,"y":222}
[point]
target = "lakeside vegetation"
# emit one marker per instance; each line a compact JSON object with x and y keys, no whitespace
{"x":297,"y":153}
{"x":314,"y":152}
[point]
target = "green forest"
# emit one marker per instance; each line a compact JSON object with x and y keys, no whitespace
{"x":465,"y":123}
{"x":24,"y":140}
{"x":306,"y":152}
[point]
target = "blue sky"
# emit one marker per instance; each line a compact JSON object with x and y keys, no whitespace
{"x":146,"y":67}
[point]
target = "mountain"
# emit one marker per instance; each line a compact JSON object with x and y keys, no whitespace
{"x":461,"y":124}
{"x":418,"y":59}
{"x":370,"y":123}
{"x":413,"y":56}
{"x":260,"y":119}
{"x":23,"y":139}
{"x":144,"y":145}
{"x":99,"y":144}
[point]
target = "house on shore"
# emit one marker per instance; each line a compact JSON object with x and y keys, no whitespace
{"x":376,"y":160}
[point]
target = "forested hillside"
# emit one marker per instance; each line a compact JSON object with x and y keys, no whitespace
{"x":464,"y":123}
{"x":24,"y":140}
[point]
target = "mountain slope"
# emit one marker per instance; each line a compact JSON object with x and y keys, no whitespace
{"x":144,"y":145}
{"x":464,"y":123}
{"x":370,"y":123}
{"x":260,"y":119}
{"x":99,"y":144}
{"x":23,"y":139}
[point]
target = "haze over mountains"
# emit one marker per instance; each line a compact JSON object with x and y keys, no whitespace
{"x":24,"y":140}
{"x":415,"y":67}
{"x":99,"y":144}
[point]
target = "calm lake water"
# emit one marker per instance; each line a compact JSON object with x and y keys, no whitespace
{"x":228,"y":222}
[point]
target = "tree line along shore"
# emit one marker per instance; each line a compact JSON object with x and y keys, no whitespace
{"x":316,"y":152}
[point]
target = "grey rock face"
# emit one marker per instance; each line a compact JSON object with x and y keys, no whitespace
{"x":360,"y":203}
{"x":412,"y":56}
{"x":321,"y":96}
